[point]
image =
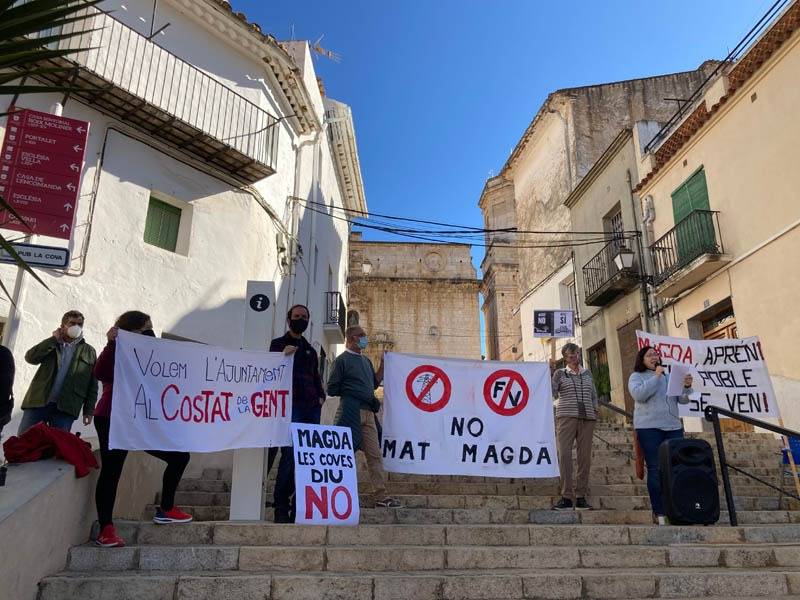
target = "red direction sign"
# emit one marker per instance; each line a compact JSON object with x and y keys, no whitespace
{"x":420,"y":385}
{"x":506,"y":392}
{"x":40,"y":171}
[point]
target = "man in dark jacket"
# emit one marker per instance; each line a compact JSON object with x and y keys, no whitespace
{"x":308,"y":396}
{"x":64,"y":384}
{"x":6,"y":386}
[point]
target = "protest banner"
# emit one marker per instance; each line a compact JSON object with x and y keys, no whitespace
{"x":325,"y":476}
{"x":468,"y":417}
{"x":189,"y":397}
{"x":729,"y":373}
{"x":553,"y":323}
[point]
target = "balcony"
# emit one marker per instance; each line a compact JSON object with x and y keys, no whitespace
{"x":335,"y":318}
{"x":688,"y":253}
{"x":125,"y":75}
{"x":603,"y":281}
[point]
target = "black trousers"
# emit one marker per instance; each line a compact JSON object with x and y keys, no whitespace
{"x":112,"y":462}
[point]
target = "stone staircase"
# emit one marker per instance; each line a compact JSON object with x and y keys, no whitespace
{"x":459,"y":538}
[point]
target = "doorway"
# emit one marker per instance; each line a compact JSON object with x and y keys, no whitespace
{"x":720,"y":326}
{"x":628,"y":348}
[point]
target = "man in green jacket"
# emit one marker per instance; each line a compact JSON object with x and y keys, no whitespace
{"x":354,"y":380}
{"x":64,"y":383}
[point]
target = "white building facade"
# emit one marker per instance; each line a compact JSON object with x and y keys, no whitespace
{"x":210,"y":163}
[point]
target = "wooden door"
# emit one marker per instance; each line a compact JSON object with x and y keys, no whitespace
{"x":628,"y":348}
{"x":723,"y":326}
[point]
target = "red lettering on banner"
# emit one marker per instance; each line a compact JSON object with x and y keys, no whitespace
{"x":265,"y":404}
{"x":163,"y":405}
{"x":206,"y":407}
{"x":670,"y":351}
{"x":320,"y":502}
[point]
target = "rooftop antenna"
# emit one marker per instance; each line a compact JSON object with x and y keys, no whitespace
{"x":329,"y":54}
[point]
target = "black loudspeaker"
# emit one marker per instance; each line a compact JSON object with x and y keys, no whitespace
{"x":689,"y":482}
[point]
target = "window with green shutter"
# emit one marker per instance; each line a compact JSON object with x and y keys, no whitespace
{"x":694,"y":230}
{"x":162,"y":225}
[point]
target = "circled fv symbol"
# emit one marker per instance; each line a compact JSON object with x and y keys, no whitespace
{"x":433,"y":388}
{"x":506,"y":392}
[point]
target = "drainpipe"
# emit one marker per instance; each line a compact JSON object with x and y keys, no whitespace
{"x":642,"y":241}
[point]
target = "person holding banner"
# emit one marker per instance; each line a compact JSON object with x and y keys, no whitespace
{"x":308,"y":395}
{"x":655,"y":417}
{"x":112,"y":461}
{"x":576,"y":414}
{"x":354,"y":380}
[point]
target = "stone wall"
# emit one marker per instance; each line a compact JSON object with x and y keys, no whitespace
{"x":417,"y":298}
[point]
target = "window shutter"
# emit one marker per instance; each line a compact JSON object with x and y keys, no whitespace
{"x":698,"y":192}
{"x":162,"y":225}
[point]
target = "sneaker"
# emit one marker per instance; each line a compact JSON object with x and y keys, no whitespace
{"x":563,"y":504}
{"x":108,"y":538}
{"x":388,"y":503}
{"x":662,"y":520}
{"x":174,"y":515}
{"x":582,"y":504}
{"x":282,"y":518}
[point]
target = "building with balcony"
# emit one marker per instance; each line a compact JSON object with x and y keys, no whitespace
{"x":567,"y":135}
{"x":610,"y":266}
{"x":210,"y":162}
{"x":414,"y":298}
{"x":719,"y":183}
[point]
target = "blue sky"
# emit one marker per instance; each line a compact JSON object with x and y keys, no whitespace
{"x":441,"y":90}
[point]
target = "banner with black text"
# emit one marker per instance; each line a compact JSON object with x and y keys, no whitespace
{"x":729,"y":373}
{"x":468,"y":417}
{"x":183,"y":396}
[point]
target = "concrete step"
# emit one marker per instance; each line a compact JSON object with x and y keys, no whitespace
{"x":256,"y":533}
{"x":443,"y":585}
{"x":614,"y":502}
{"x":383,"y":558}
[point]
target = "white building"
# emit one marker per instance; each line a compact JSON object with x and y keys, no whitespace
{"x":210,"y":163}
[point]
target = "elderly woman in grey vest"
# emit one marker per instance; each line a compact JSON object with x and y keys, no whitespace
{"x":576,"y":414}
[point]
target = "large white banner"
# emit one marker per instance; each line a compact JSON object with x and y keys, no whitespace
{"x":191,"y":397}
{"x":468,"y":417}
{"x":325,"y":476}
{"x":729,"y":373}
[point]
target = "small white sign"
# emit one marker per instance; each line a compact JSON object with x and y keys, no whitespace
{"x":553,"y":323}
{"x":38,"y":256}
{"x":325,"y":476}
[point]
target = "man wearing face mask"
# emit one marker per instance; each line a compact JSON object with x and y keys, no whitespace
{"x":308,"y":396}
{"x":64,"y":384}
{"x":354,"y":380}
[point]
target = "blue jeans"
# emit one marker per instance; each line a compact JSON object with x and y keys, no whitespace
{"x":46,"y":414}
{"x":284,"y":480}
{"x":650,"y":441}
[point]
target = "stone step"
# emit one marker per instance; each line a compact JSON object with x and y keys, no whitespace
{"x":442,"y":585}
{"x":382,"y":558}
{"x":257,"y":533}
{"x":614,"y":502}
{"x":388,"y":516}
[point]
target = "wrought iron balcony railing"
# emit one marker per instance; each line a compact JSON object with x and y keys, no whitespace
{"x":335,"y":311}
{"x":603,"y":280}
{"x":124,"y":74}
{"x":696,"y":235}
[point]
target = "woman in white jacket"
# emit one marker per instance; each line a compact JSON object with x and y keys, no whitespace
{"x":655,"y":416}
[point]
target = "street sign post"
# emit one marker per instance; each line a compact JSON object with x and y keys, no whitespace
{"x":247,"y":485}
{"x":38,"y":256}
{"x":40,"y":171}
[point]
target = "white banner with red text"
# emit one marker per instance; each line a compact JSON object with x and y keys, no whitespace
{"x":325,"y":479}
{"x":728,"y":373}
{"x":190,"y":397}
{"x":468,"y":417}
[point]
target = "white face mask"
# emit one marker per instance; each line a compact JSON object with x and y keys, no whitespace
{"x":75,"y":332}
